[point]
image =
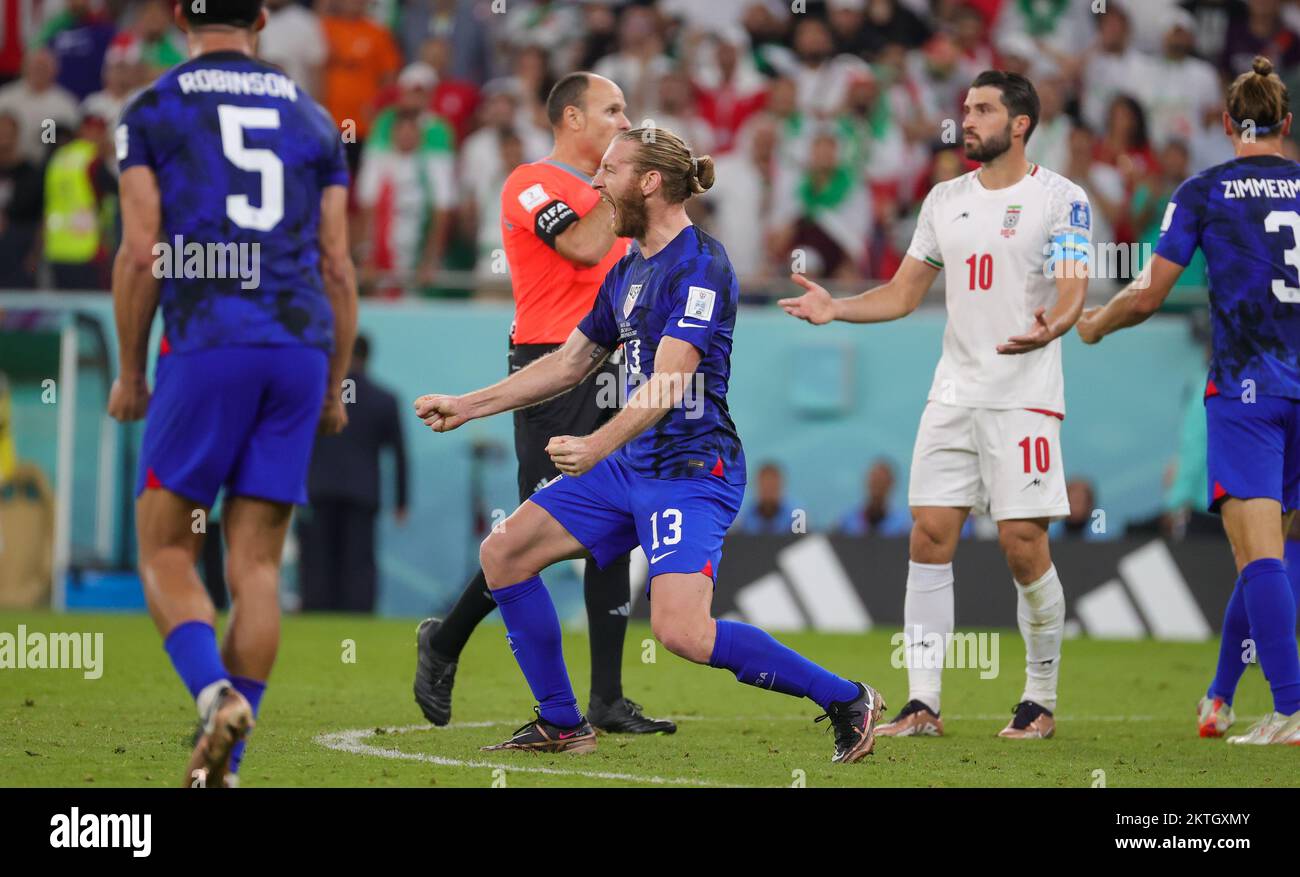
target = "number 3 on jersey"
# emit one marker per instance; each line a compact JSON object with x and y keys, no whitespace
{"x":263,"y":162}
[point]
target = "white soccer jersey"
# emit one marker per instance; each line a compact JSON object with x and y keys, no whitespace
{"x":993,"y":246}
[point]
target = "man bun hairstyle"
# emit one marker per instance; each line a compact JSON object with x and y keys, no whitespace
{"x":1018,"y":95}
{"x":684,"y":173}
{"x":1259,"y":98}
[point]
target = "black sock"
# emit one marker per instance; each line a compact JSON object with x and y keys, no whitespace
{"x":473,"y":606}
{"x":607,"y":595}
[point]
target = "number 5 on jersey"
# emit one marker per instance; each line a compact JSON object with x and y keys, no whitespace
{"x":263,"y":162}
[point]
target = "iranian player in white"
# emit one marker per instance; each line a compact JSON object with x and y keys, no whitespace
{"x":1013,"y":239}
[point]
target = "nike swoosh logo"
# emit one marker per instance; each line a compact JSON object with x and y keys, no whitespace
{"x":568,"y":735}
{"x":658,"y":557}
{"x":686,"y":325}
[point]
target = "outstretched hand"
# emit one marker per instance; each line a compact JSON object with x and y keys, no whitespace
{"x":815,"y":306}
{"x":1039,"y":336}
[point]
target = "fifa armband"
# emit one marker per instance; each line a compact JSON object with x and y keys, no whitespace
{"x":551,"y":221}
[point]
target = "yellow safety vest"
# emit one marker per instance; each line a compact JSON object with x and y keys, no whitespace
{"x":71,"y":226}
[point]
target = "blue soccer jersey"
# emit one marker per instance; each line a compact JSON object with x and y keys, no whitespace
{"x":687,"y":291}
{"x":242,"y":156}
{"x":1245,"y":216}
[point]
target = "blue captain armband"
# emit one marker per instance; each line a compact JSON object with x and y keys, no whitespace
{"x":1069,"y":246}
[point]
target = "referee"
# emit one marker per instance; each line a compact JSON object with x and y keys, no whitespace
{"x":559,"y":243}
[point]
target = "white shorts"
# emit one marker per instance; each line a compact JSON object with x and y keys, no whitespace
{"x":1006,"y":462}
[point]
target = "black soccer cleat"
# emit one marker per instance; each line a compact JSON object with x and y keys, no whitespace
{"x":1031,"y":721}
{"x":854,"y":722}
{"x":623,"y":716}
{"x":542,"y":736}
{"x":434,"y":675}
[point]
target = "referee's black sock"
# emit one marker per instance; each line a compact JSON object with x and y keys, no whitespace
{"x":607,"y":595}
{"x":473,"y":606}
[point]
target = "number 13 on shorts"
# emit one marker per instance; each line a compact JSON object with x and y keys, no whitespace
{"x":672,"y":521}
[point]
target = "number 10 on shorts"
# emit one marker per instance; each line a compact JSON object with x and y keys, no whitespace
{"x":673,"y":521}
{"x":1042,"y":453}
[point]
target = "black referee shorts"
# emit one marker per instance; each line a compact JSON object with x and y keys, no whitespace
{"x":581,"y":411}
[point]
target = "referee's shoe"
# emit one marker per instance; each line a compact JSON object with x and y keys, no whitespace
{"x":435,"y":675}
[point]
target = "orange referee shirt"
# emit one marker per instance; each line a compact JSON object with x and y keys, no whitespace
{"x":552,"y":295}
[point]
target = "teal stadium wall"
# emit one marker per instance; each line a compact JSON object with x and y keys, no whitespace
{"x":822,"y":401}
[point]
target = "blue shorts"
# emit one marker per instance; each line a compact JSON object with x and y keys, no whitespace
{"x":243,"y":418}
{"x":679,"y":522}
{"x":1253,"y":449}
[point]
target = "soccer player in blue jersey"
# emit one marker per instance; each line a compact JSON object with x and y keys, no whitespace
{"x":234,"y":195}
{"x":1245,"y":216}
{"x":666,"y":473}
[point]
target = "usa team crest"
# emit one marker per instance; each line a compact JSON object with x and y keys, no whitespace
{"x":1010,"y":220}
{"x":633,"y":293}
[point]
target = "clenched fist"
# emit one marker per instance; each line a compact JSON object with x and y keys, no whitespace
{"x":442,"y":413}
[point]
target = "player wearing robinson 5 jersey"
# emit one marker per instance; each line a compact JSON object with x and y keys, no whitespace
{"x":662,"y":474}
{"x":1012,"y":235}
{"x":1245,"y":216}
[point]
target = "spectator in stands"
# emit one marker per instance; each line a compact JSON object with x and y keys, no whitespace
{"x":79,"y":186}
{"x":483,"y":206}
{"x":79,"y":38}
{"x":1181,"y":92}
{"x":154,"y":35}
{"x":480,"y":156}
{"x":459,"y":24}
{"x":599,"y":32}
{"x":1261,"y":31}
{"x":454,"y":98}
{"x":827,"y":215}
{"x":849,"y":28}
{"x":1211,"y":24}
{"x":742,"y":200}
{"x":37,"y":99}
{"x":1059,"y":27}
{"x":294,"y":39}
{"x":640,"y":60}
{"x":889,"y":21}
{"x":673,"y":108}
{"x":534,"y":82}
{"x":1080,"y":524}
{"x":728,"y":87}
{"x":1111,"y":67}
{"x":362,"y":58}
{"x":820,"y":81}
{"x":407,"y":191}
{"x":1050,"y":145}
{"x":1126,"y":146}
{"x":878,"y":515}
{"x":771,"y":512}
{"x":123,"y":74}
{"x":337,"y":569}
{"x":21,"y":207}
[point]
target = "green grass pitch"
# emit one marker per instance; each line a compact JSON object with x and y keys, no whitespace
{"x":1126,"y":710}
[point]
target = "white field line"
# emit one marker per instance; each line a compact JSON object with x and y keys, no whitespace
{"x":353,"y":742}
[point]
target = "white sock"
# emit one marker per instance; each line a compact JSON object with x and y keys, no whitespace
{"x":1040,"y":610}
{"x":927,"y":622}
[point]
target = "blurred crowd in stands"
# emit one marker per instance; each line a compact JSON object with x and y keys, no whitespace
{"x":829,"y":120}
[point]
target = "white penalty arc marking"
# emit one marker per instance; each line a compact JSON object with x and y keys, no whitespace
{"x":354,"y":743}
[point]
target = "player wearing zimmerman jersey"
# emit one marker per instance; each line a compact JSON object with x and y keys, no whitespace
{"x":1245,"y":216}
{"x":559,"y":244}
{"x":234,"y":210}
{"x":667,"y":473}
{"x":1012,"y":239}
